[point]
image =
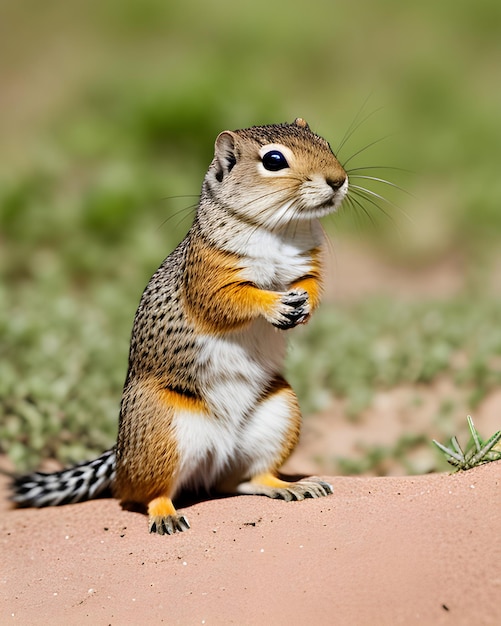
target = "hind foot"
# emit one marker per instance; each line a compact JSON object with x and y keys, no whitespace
{"x":163,"y":518}
{"x":168,"y":525}
{"x":272,"y":487}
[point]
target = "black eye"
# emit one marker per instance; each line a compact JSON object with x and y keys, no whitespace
{"x":274,"y":161}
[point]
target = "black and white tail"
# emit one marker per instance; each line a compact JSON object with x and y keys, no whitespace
{"x":84,"y":481}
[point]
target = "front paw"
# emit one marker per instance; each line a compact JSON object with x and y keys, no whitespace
{"x":293,"y":309}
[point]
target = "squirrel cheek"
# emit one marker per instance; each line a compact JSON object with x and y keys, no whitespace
{"x":313,"y":193}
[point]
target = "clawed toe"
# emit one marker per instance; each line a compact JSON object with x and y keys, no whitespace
{"x":306,"y":489}
{"x":169,"y":524}
{"x":278,"y":489}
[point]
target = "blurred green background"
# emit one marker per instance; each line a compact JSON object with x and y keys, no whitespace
{"x":108,"y":114}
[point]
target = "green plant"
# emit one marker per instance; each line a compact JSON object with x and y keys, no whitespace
{"x":477,"y":454}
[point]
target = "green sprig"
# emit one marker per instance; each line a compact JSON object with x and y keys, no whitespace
{"x":480,"y":452}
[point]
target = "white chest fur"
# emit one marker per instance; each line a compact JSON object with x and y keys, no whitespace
{"x":274,"y":260}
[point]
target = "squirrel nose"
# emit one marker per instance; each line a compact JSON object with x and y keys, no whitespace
{"x":335,"y":183}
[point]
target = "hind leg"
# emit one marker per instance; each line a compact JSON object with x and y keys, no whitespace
{"x":149,"y":459}
{"x":270,"y":436}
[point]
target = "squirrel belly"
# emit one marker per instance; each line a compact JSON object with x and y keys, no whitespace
{"x":204,"y":401}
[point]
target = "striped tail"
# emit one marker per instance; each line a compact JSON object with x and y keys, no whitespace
{"x":84,"y":481}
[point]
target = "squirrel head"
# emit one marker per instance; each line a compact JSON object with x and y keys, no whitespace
{"x":273,"y":175}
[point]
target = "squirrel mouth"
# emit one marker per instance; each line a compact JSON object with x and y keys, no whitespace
{"x":332,"y":204}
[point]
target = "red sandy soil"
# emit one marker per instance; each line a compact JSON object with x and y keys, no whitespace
{"x":406,"y":550}
{"x":380,"y":551}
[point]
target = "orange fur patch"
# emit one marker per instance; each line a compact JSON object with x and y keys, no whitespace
{"x":161,"y":507}
{"x":268,"y":480}
{"x":182,"y":402}
{"x":312,"y":282}
{"x":217,"y":298}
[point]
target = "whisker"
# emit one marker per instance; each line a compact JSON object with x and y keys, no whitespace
{"x":189,"y":211}
{"x":274,"y":220}
{"x":184,"y":212}
{"x":293,"y":223}
{"x":364,"y":194}
{"x":263,"y":196}
{"x":354,"y":203}
{"x":355,"y":128}
{"x":384,"y":181}
{"x":188,"y":195}
{"x":373,"y":143}
{"x":353,"y":122}
{"x":363,"y":191}
{"x":331,"y":250}
{"x":379,"y":167}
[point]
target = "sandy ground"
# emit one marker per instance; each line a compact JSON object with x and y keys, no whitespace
{"x":411,"y":550}
{"x":380,"y":551}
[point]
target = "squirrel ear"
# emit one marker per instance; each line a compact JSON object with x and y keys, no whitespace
{"x":224,"y":154}
{"x":299,"y":121}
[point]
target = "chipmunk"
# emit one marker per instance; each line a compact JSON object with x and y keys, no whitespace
{"x":204,"y":402}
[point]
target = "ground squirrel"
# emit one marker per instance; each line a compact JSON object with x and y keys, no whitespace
{"x":204,"y":402}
